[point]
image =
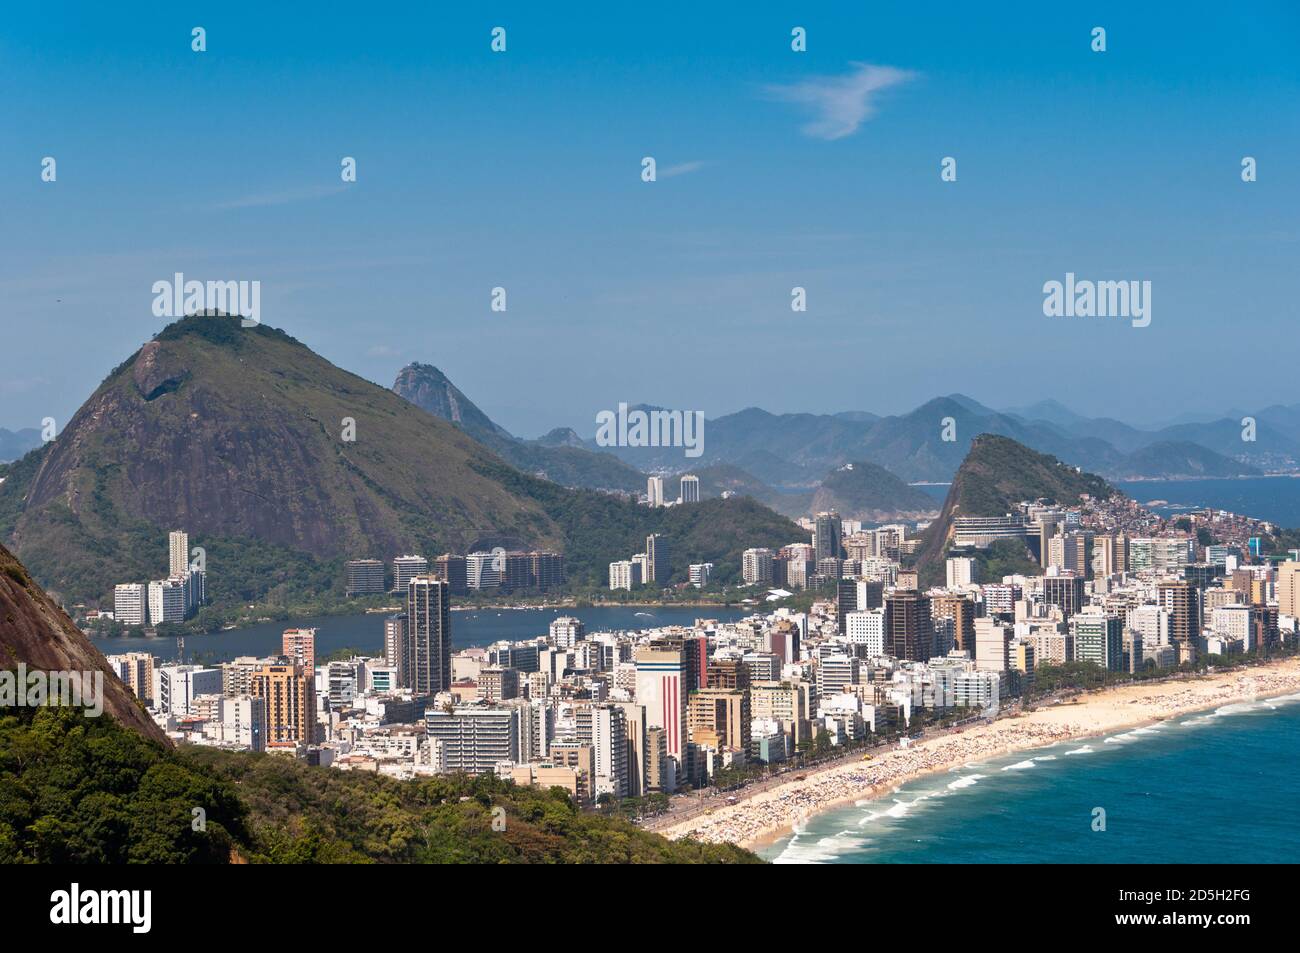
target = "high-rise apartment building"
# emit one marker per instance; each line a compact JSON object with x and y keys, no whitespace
{"x":756,"y":566}
{"x":289,"y":691}
{"x":178,"y":550}
{"x":396,"y":646}
{"x":604,"y":728}
{"x":299,"y":646}
{"x":1110,"y":555}
{"x":662,"y":686}
{"x":131,"y":603}
{"x":566,"y":632}
{"x":1066,"y":591}
{"x":1288,"y":588}
{"x":1182,"y":600}
{"x":654,"y":491}
{"x":475,"y":738}
{"x":690,"y":489}
{"x":961,"y":613}
{"x":909,"y":632}
{"x":450,"y":568}
{"x":962,"y":571}
{"x":826,"y":538}
{"x":656,"y":557}
{"x":406,"y":568}
{"x":364,"y":576}
{"x":167,"y":601}
{"x":624,"y":574}
{"x":428,"y":627}
{"x":1099,"y":638}
{"x":135,"y":669}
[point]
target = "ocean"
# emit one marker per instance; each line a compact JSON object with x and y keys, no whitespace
{"x":1275,"y":498}
{"x":365,"y":631}
{"x":1215,"y":786}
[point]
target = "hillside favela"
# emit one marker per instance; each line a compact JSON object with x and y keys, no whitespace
{"x":609,"y":440}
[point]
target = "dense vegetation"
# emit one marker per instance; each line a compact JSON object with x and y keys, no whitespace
{"x":79,"y":790}
{"x":600,"y":528}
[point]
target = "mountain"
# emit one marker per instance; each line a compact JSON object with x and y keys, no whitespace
{"x":15,"y":443}
{"x":561,"y":437}
{"x":242,"y":433}
{"x":794,"y":451}
{"x":1051,"y":411}
{"x":787,"y":448}
{"x":429,"y":389}
{"x":997,"y":474}
{"x":239,"y":435}
{"x":1175,"y":459}
{"x":864,"y":491}
{"x":555,"y":457}
{"x":38,"y":634}
{"x":724,"y":477}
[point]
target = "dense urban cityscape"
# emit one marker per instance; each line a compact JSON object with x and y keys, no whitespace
{"x":625,"y":716}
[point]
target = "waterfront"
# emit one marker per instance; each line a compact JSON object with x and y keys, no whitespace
{"x":757,"y":819}
{"x":1170,"y":793}
{"x":365,"y":631}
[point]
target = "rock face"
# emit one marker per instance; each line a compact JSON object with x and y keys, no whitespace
{"x":430,"y":389}
{"x":37,"y":633}
{"x":244,"y":433}
{"x":996,"y":474}
{"x":559,"y":456}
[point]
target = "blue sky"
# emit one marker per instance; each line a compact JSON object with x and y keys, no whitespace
{"x":522,"y":170}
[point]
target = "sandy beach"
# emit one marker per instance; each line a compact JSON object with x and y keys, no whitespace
{"x":772,"y":813}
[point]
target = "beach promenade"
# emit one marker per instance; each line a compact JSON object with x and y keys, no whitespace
{"x":771,"y":810}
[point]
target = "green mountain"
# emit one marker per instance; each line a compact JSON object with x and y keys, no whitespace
{"x":864,"y":491}
{"x":240,"y":436}
{"x":555,"y":457}
{"x":242,"y":433}
{"x":997,"y":474}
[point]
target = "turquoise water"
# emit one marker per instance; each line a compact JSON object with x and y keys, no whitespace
{"x":1217,"y":787}
{"x":366,"y":631}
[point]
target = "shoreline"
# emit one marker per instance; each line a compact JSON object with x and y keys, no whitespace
{"x":767,"y":816}
{"x":356,"y":611}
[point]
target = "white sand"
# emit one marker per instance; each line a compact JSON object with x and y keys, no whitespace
{"x":767,"y":815}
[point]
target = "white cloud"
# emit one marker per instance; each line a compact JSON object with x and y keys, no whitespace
{"x":682,"y":168}
{"x":840,"y":104}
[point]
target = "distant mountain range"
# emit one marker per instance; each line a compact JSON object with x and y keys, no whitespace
{"x":15,"y":443}
{"x":797,"y":450}
{"x":783,"y":460}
